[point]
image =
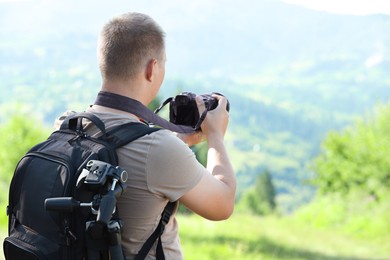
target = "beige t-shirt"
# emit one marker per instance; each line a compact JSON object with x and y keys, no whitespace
{"x":161,"y":167}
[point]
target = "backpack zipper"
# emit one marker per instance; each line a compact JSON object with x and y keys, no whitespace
{"x":58,"y":160}
{"x":69,"y":236}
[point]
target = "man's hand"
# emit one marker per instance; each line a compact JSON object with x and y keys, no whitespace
{"x":217,"y":120}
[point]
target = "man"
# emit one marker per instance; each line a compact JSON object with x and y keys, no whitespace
{"x":161,"y":166}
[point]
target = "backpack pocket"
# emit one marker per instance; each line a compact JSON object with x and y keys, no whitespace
{"x":24,"y":243}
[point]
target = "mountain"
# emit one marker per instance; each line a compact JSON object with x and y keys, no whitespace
{"x":291,"y":74}
{"x":217,"y":37}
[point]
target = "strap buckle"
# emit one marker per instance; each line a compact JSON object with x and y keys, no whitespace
{"x":165,"y":217}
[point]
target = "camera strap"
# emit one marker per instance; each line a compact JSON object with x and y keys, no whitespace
{"x":135,"y":107}
{"x":202,"y":117}
{"x":167,"y":101}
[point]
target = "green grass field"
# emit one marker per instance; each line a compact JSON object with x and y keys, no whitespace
{"x":250,"y":237}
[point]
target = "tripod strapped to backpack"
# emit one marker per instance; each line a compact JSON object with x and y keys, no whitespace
{"x":63,"y":194}
{"x":109,"y":182}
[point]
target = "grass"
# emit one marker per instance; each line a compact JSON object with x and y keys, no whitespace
{"x":245,"y":236}
{"x":251,"y":237}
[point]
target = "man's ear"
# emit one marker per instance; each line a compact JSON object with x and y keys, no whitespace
{"x":150,"y":69}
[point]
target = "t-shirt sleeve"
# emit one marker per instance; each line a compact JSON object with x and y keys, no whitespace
{"x":172,"y":168}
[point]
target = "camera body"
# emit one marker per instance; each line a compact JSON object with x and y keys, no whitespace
{"x":183,"y":109}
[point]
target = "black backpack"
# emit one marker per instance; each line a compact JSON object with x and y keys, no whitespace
{"x":63,"y":194}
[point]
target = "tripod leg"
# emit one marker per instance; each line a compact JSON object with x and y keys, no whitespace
{"x":97,"y":248}
{"x":115,"y":240}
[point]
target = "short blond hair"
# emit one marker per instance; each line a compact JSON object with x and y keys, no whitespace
{"x":127,"y":43}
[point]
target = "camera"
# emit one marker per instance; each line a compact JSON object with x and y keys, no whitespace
{"x":183,"y":109}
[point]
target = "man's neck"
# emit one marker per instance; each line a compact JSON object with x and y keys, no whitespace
{"x":130,"y":89}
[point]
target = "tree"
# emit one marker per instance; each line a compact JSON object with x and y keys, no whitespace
{"x":260,"y":199}
{"x":357,"y":159}
{"x":265,"y":191}
{"x":17,"y":135}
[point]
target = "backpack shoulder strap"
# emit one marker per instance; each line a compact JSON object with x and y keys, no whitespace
{"x":126,"y":133}
{"x":74,"y":122}
{"x":165,"y":216}
{"x":122,"y":135}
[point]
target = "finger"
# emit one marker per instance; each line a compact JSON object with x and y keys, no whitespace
{"x":218,"y":97}
{"x":222,"y":101}
{"x":200,"y":104}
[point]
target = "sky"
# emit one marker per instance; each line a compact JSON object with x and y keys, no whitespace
{"x":354,"y":7}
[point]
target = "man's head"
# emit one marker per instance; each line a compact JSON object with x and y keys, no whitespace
{"x":128,"y":43}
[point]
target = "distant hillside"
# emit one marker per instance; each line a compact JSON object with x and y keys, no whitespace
{"x":207,"y":37}
{"x":291,"y":74}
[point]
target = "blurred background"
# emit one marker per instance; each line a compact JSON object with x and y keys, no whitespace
{"x":309,"y":88}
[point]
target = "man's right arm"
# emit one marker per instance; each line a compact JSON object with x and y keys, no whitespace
{"x":213,"y":197}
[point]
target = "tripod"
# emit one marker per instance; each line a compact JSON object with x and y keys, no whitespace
{"x":103,"y":235}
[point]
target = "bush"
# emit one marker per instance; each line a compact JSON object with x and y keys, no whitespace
{"x":17,"y":135}
{"x":356,"y":214}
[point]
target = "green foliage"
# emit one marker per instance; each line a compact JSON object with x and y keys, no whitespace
{"x":200,"y":151}
{"x":265,"y":191}
{"x":353,"y":176}
{"x":260,"y":199}
{"x":357,"y":160}
{"x":355,"y":214}
{"x":155,"y":103}
{"x":17,"y":135}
